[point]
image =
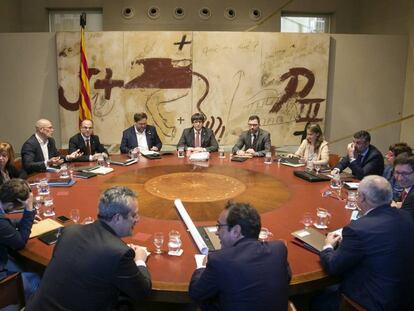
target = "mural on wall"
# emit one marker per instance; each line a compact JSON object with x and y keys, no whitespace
{"x":171,"y":75}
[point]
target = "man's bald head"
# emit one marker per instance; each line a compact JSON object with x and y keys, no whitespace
{"x":44,"y":128}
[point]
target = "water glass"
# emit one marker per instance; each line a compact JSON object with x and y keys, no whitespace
{"x":265,"y":234}
{"x":180,"y":152}
{"x":75,"y":215}
{"x":307,"y":220}
{"x":309,"y":166}
{"x":174,"y":242}
{"x":37,"y":202}
{"x":101,"y":161}
{"x":133,"y":153}
{"x":158,"y":242}
{"x":48,"y":207}
{"x":43,"y":187}
{"x":221,"y":153}
{"x":88,"y":220}
{"x":351,"y":202}
{"x":322,"y":218}
{"x":268,"y":158}
{"x":64,"y":171}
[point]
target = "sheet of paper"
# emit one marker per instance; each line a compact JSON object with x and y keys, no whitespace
{"x":199,"y":259}
{"x":44,"y":226}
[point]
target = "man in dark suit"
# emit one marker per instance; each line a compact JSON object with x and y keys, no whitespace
{"x":14,"y":233}
{"x":245,"y":274}
{"x":362,"y":158}
{"x":91,"y":264}
{"x":255,"y":142}
{"x":198,"y":138}
{"x":87,"y":143}
{"x":404,"y":175}
{"x":39,"y":152}
{"x":375,"y":255}
{"x":140,"y":136}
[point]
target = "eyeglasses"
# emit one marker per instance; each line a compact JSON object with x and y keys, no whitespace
{"x":404,"y":174}
{"x":219,"y":225}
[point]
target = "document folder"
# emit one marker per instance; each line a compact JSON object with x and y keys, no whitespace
{"x":310,"y":239}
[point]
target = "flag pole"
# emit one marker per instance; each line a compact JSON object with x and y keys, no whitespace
{"x":85,"y":108}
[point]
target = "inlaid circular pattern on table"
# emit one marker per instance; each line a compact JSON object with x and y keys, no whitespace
{"x":203,"y":190}
{"x":195,"y":187}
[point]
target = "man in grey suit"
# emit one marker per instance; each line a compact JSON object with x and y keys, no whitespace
{"x":255,"y":141}
{"x":198,"y":138}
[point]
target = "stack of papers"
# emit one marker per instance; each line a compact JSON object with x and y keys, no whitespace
{"x":102,"y":170}
{"x":44,"y":226}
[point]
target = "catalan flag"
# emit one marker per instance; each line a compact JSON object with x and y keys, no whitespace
{"x":85,"y":108}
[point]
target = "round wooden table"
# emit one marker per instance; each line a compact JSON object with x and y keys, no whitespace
{"x":204,"y":188}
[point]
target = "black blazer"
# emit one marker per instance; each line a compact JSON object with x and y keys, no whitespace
{"x":375,"y":260}
{"x":13,"y":173}
{"x":89,"y":267}
{"x":250,"y":275}
{"x":77,"y":142}
{"x":14,"y":234}
{"x":32,"y":156}
{"x":208,"y":140}
{"x":129,"y":138}
{"x":372,"y":164}
{"x":408,"y":204}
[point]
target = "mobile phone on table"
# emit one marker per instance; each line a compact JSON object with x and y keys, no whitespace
{"x":62,"y":219}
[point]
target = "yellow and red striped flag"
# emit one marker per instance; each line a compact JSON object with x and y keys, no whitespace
{"x":85,"y":108}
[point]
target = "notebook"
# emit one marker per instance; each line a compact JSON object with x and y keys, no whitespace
{"x":124,"y":163}
{"x":60,"y":182}
{"x":239,"y":158}
{"x":311,"y":176}
{"x":310,"y":238}
{"x":293,"y":162}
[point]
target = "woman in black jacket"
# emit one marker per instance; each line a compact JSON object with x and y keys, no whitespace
{"x":7,"y":168}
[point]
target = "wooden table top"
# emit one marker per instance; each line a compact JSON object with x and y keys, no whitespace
{"x":204,"y":188}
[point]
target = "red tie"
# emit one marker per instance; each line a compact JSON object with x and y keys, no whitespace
{"x":88,"y":147}
{"x":197,"y":139}
{"x":403,"y":196}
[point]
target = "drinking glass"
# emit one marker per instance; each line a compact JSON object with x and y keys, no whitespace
{"x":88,"y":220}
{"x":75,"y":215}
{"x":174,"y":242}
{"x":37,"y":202}
{"x":322,"y":218}
{"x":265,"y":234}
{"x":180,"y":152}
{"x":221,"y":153}
{"x":43,"y":187}
{"x":351,"y":202}
{"x":158,"y":241}
{"x":64,"y":171}
{"x":317,"y":168}
{"x":268,"y":158}
{"x":133,"y":153}
{"x":48,"y":209}
{"x":101,"y":161}
{"x":307,"y":219}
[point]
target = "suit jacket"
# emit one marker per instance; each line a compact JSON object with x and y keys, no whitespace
{"x":129,"y":138}
{"x":14,"y":234}
{"x":375,"y":260}
{"x":32,"y":156}
{"x":13,"y":173}
{"x":77,"y":142}
{"x":90,"y":265}
{"x":408,"y":204}
{"x":263,"y":143}
{"x":250,"y":275}
{"x":372,"y":164}
{"x":208,"y":140}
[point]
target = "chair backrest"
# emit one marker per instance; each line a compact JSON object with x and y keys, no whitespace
{"x":333,"y":160}
{"x":11,"y":291}
{"x":347,"y":304}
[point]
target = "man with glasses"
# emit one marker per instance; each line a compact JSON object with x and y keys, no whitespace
{"x":140,"y":136}
{"x":198,"y":138}
{"x":404,"y":175}
{"x":245,"y":274}
{"x":374,"y":256}
{"x":362,"y":158}
{"x":91,"y":265}
{"x":255,"y":141}
{"x":87,"y":143}
{"x":39,"y":152}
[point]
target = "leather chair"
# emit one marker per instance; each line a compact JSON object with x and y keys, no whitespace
{"x":333,"y":160}
{"x":347,"y":304}
{"x":11,"y":291}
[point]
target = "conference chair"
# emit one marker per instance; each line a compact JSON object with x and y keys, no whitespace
{"x":347,"y":304}
{"x":333,"y":160}
{"x":11,"y":291}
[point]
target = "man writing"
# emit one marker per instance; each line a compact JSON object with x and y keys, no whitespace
{"x":87,"y":143}
{"x":255,"y":141}
{"x":140,"y":136}
{"x":198,"y":138}
{"x":245,"y":274}
{"x":91,"y":264}
{"x":404,"y":175}
{"x":375,"y":254}
{"x":39,"y":151}
{"x":362,"y":158}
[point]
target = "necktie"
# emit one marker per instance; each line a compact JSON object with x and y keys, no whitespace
{"x":88,"y":147}
{"x":197,"y":139}
{"x":254,"y":141}
{"x":403,"y":196}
